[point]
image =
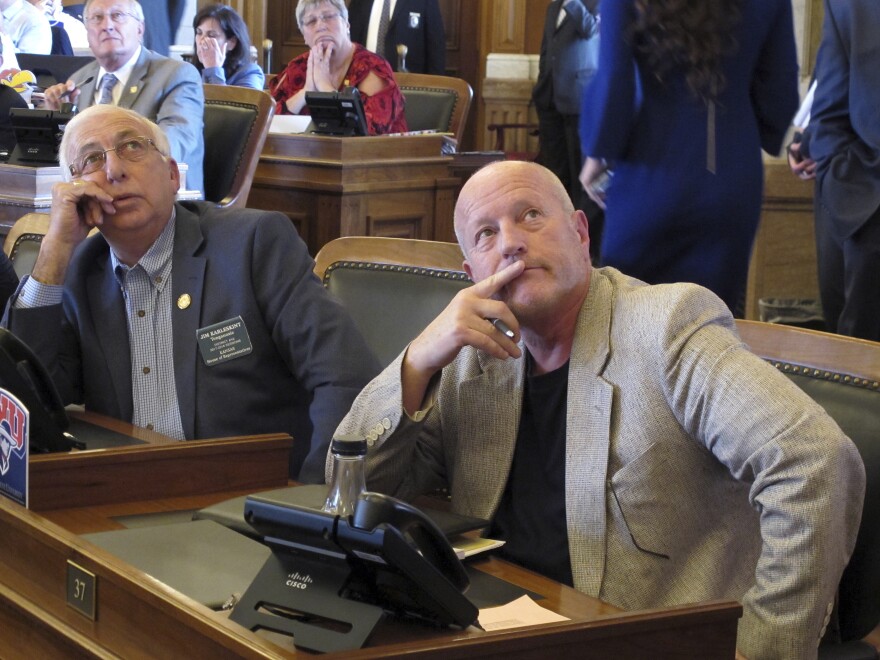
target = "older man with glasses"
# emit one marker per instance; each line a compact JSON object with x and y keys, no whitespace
{"x":194,"y":321}
{"x":126,"y":74}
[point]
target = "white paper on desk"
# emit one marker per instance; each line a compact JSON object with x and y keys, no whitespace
{"x":287,"y":124}
{"x":521,"y":612}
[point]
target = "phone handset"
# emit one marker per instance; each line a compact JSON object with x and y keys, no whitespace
{"x":374,"y":509}
{"x":22,"y":373}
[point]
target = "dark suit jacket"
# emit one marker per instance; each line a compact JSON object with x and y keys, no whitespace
{"x":844,"y":133}
{"x":569,"y":57}
{"x":308,"y":360}
{"x":60,"y":40}
{"x":8,"y":278}
{"x":416,"y":23}
{"x":161,"y":20}
{"x":168,"y":92}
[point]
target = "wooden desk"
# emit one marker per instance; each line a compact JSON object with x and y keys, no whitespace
{"x":365,"y":186}
{"x":162,"y":467}
{"x":140,"y":617}
{"x":24,"y":190}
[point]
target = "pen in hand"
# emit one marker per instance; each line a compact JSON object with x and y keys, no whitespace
{"x":502,"y":326}
{"x":78,"y":85}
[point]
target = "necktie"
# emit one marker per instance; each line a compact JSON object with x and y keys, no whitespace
{"x":383,"y":29}
{"x":108,"y":82}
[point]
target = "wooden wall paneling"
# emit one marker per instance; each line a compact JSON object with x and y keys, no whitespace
{"x":489,"y":13}
{"x":254,"y":14}
{"x":506,"y":25}
{"x":300,"y":220}
{"x":536,"y":12}
{"x":508,"y":101}
{"x":461,"y":22}
{"x":402,"y":214}
{"x":452,"y":26}
{"x":352,"y":218}
{"x":281,"y":28}
{"x":326,"y":223}
{"x":397,"y":225}
{"x":444,"y":206}
{"x":813,"y":18}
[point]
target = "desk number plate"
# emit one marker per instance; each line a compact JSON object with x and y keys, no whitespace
{"x":81,"y":586}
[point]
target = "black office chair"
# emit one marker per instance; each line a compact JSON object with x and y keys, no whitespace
{"x":392,"y":287}
{"x":52,"y":69}
{"x":842,"y":374}
{"x":236,"y":124}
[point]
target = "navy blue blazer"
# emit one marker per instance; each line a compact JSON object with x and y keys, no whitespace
{"x":844,"y":135}
{"x":308,"y":361}
{"x":416,"y":23}
{"x":569,"y":57}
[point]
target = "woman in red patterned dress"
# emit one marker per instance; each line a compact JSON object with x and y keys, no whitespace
{"x":334,"y":63}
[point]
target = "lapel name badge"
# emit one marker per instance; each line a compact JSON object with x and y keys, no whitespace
{"x":224,"y":341}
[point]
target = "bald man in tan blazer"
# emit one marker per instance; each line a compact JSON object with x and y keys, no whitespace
{"x":690,"y":469}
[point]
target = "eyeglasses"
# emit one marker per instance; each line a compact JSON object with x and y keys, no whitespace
{"x":131,"y":149}
{"x":116,"y":17}
{"x":324,"y":18}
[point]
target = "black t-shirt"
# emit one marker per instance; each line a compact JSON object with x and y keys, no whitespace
{"x":531,"y":516}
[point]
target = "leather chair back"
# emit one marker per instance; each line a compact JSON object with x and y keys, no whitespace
{"x":435,"y":103}
{"x":391,"y":304}
{"x":236,"y":123}
{"x":392,"y":287}
{"x":842,"y":374}
{"x":22,"y":243}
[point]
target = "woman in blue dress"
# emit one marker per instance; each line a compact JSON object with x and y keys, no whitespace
{"x":223,"y":49}
{"x":686,"y":95}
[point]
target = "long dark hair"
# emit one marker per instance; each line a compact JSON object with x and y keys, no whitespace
{"x":688,"y":35}
{"x":233,"y":26}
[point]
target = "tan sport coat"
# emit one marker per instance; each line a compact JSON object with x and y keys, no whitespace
{"x":694,"y":470}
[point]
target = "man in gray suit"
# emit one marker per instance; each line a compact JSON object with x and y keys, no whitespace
{"x":163,"y":90}
{"x":619,"y":436}
{"x":569,"y":57}
{"x":843,"y":137}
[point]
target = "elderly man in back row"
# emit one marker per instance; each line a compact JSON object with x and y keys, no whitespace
{"x":166,"y":91}
{"x":619,"y":436}
{"x":194,"y":321}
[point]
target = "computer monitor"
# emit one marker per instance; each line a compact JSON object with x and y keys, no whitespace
{"x":52,"y":69}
